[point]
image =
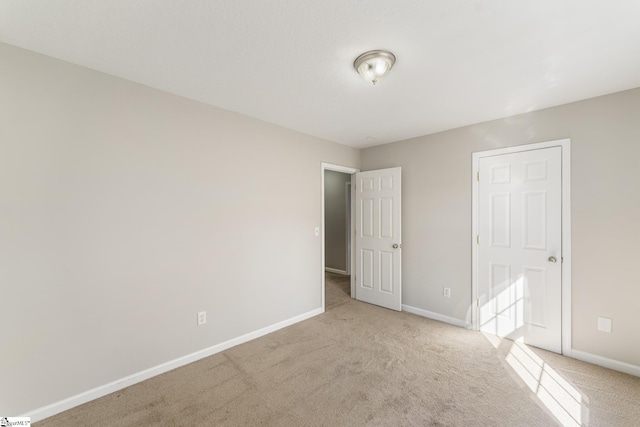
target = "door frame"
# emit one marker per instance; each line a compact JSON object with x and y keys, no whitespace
{"x":351,"y":171}
{"x":348,"y":218}
{"x":565,"y":145}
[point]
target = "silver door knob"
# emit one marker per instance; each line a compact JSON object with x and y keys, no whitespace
{"x":552,"y":260}
{"x":395,"y":246}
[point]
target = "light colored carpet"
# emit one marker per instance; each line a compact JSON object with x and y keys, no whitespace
{"x":358,"y":364}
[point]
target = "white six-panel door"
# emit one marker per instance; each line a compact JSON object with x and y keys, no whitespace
{"x":519,"y":248}
{"x":378,"y":237}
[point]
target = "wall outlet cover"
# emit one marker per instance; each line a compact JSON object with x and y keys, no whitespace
{"x":202,"y":318}
{"x":604,"y":324}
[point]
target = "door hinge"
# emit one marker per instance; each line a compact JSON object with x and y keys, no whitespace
{"x":478,"y":239}
{"x":478,"y":176}
{"x":478,"y":303}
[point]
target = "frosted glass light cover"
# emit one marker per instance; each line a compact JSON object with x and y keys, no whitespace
{"x":375,"y":65}
{"x":373,"y":71}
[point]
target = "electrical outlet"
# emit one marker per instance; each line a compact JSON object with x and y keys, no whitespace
{"x":202,"y":318}
{"x":604,"y":324}
{"x":446,"y":292}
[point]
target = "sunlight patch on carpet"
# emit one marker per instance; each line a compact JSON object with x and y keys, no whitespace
{"x":563,"y":400}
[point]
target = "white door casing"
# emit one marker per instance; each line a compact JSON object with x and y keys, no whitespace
{"x":338,"y":168}
{"x":378,"y":237}
{"x":519,"y":254}
{"x":347,"y":192}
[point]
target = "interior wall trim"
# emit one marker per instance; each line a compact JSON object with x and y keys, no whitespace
{"x":336,"y":271}
{"x":605,"y":362}
{"x":89,"y":395}
{"x":436,"y":316}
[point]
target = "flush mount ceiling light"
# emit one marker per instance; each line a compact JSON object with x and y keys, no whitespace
{"x":374,"y":65}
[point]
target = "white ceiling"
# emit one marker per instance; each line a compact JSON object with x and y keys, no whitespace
{"x":290,"y":62}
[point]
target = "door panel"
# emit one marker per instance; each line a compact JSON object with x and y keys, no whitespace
{"x":519,"y":223}
{"x":534,"y":221}
{"x":378,"y":229}
{"x":536,"y":288}
{"x":386,"y":272}
{"x":500,"y":220}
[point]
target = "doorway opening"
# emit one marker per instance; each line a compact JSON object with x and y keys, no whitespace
{"x":337,"y":229}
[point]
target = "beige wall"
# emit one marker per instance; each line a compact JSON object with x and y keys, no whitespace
{"x":335,"y":219}
{"x":436,"y":213}
{"x":125,"y":210}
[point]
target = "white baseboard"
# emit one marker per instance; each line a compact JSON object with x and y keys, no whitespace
{"x":436,"y":316}
{"x":84,"y":397}
{"x":335,"y":270}
{"x":616,"y":365}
